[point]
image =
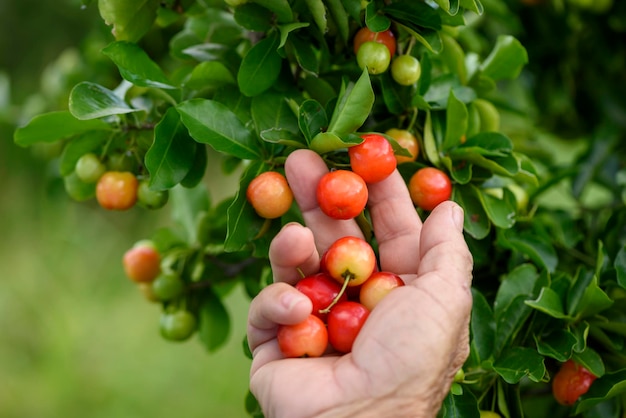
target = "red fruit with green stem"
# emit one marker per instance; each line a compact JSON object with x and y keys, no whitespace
{"x":308,"y":338}
{"x":406,"y":140}
{"x":350,"y":261}
{"x":571,"y":382}
{"x":373,"y":159}
{"x":342,"y":194}
{"x":345,"y":321}
{"x":322,"y":290}
{"x":429,"y":187}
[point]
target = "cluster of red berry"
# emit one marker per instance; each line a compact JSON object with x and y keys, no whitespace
{"x":344,"y":292}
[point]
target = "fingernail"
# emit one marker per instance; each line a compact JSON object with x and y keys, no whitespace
{"x":458,"y":217}
{"x":289,"y":300}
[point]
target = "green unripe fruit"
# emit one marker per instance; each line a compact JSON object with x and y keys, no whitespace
{"x":151,"y":199}
{"x":406,"y":70}
{"x":373,"y":56}
{"x":167,"y":287}
{"x":78,"y":189}
{"x":89,"y":168}
{"x":178,"y":326}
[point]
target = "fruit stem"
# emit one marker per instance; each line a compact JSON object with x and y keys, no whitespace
{"x":346,"y":280}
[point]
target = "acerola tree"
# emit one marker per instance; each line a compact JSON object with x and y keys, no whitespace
{"x":519,"y":104}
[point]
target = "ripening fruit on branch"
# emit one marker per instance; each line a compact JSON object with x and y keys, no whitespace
{"x":178,"y":325}
{"x":142,"y":262}
{"x":373,"y":56}
{"x":571,"y":382}
{"x":429,"y":187}
{"x":89,"y":168}
{"x":385,"y":37}
{"x":406,"y":140}
{"x":342,"y":194}
{"x":117,"y":190}
{"x":306,"y":339}
{"x":373,"y":159}
{"x":151,"y":199}
{"x":270,"y":195}
{"x":406,"y":70}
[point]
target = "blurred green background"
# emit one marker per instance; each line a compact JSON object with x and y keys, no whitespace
{"x":77,"y":339}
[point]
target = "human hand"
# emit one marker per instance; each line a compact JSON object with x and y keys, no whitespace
{"x":404,"y":360}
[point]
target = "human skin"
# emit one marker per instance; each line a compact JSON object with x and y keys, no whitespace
{"x":406,"y":355}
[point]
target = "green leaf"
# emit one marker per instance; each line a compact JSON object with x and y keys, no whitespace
{"x":454,"y":57}
{"x":482,"y":327}
{"x":430,"y":143}
{"x":620,"y":266}
{"x":593,"y":301}
{"x":260,"y":67}
{"x":558,"y":345}
{"x":375,"y":20}
{"x":510,"y":321}
{"x":473,"y":5}
{"x":312,"y":119}
{"x":608,"y":386}
{"x":499,"y":211}
{"x":521,"y":281}
{"x":188,"y":206}
{"x":306,"y":54}
{"x":464,"y":405}
{"x":198,"y":168}
{"x":243,"y":222}
{"x":353,"y":106}
{"x":414,"y":14}
{"x":270,"y":110}
{"x":395,"y":101}
{"x":215,"y":323}
{"x":136,"y":66}
{"x":281,"y":8}
{"x":518,"y":362}
{"x":550,"y":303}
{"x":253,"y":17}
{"x":91,"y":101}
{"x":506,"y":60}
{"x":340,"y":17}
{"x":131,"y":19}
{"x":456,"y":122}
{"x":476,"y":221}
{"x":171,"y":155}
{"x":284,"y":137}
{"x":535,"y":247}
{"x":209,"y":74}
{"x":318,"y":11}
{"x":55,"y":126}
{"x":328,"y":141}
{"x":591,"y":360}
{"x":210,"y":122}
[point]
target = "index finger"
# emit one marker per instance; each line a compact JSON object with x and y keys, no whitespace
{"x":304,"y":169}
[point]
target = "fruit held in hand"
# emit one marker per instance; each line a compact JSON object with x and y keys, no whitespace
{"x":345,"y":321}
{"x":306,"y":339}
{"x":571,"y":382}
{"x":377,"y":286}
{"x":350,"y":258}
{"x":342,"y":194}
{"x":117,"y":190}
{"x":429,"y":187}
{"x":322,"y":290}
{"x":270,"y":195}
{"x":142,"y":262}
{"x":373,"y":159}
